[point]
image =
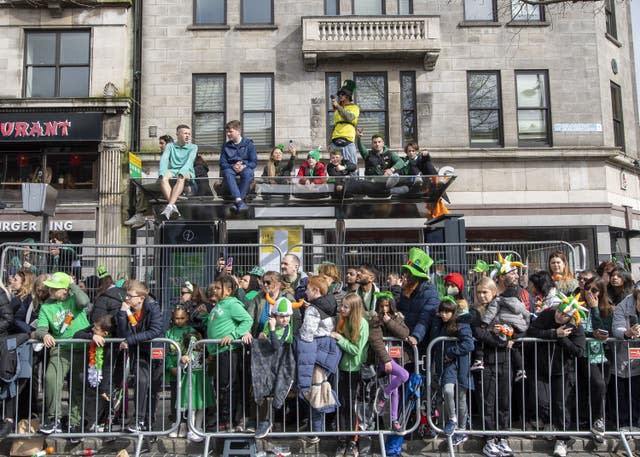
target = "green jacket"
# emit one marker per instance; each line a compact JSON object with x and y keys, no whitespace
{"x":354,"y":355}
{"x":227,"y":318}
{"x":171,"y":361}
{"x":375,"y":163}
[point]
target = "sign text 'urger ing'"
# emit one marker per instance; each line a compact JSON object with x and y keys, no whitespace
{"x":30,"y":127}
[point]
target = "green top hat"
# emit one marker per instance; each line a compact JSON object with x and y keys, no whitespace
{"x":348,"y":88}
{"x":419,"y":263}
{"x":59,"y":280}
{"x":102,"y":271}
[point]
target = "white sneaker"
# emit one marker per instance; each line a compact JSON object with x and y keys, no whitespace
{"x":136,"y":219}
{"x":174,"y":210}
{"x":505,"y":449}
{"x":491,"y":449}
{"x":182,"y":431}
{"x":173,"y":434}
{"x":166,"y":212}
{"x":194,"y":438}
{"x":560,"y":449}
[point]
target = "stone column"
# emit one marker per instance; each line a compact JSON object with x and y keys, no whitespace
{"x":109,"y":215}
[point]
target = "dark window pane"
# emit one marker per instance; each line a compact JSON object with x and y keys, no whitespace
{"x":408,"y":127}
{"x":485,"y":126}
{"x":478,"y":10}
{"x":209,"y":130}
{"x":256,"y":93}
{"x":256,"y":12}
{"x":367,"y":7}
{"x":258,"y":127}
{"x":408,"y":91}
{"x":209,"y":93}
{"x":74,"y":82}
{"x":373,"y":123}
{"x":404,"y":7}
{"x":210,"y":11}
{"x":483,"y":90}
{"x":74,"y":48}
{"x":41,"y":82}
{"x":370,"y":92}
{"x":41,"y":49}
{"x":331,"y":7}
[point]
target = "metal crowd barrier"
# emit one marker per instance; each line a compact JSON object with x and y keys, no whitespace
{"x":293,"y":420}
{"x":461,"y":257}
{"x":545,"y":404}
{"x":53,"y":389}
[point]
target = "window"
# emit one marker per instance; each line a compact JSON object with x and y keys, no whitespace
{"x":208,"y":12}
{"x":368,"y":7}
{"x":610,"y":15}
{"x":331,"y":7}
{"x":534,"y":117}
{"x":257,"y":12}
{"x":485,"y":108}
{"x":57,"y":63}
{"x":331,"y":87}
{"x":408,"y":102}
{"x":405,"y":7}
{"x":371,"y":97}
{"x":209,"y":103}
{"x":616,"y":108}
{"x":67,"y":168}
{"x":257,"y":109}
{"x":521,"y":11}
{"x":480,"y":10}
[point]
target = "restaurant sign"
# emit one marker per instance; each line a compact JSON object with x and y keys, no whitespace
{"x":32,"y":127}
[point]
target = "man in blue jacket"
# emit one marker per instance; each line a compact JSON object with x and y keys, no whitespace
{"x":419,"y":298}
{"x":238,"y":157}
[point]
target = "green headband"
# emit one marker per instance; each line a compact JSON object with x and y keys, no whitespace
{"x":450,"y":299}
{"x":382,"y":295}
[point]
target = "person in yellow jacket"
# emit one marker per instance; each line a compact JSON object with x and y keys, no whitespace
{"x":345,"y":120}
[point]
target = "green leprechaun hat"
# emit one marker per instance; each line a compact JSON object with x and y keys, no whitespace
{"x":419,"y":263}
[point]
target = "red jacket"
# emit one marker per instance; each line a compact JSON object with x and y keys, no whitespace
{"x":318,"y":170}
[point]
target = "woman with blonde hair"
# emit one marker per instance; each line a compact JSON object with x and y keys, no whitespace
{"x":330,"y":272}
{"x":276,"y":166}
{"x":352,"y":335}
{"x":559,"y":268}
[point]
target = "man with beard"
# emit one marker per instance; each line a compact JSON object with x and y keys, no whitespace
{"x":366,"y":278}
{"x":291,"y":276}
{"x":419,"y":298}
{"x":351,"y":280}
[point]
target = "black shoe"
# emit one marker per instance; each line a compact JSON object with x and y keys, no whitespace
{"x":51,"y":426}
{"x":6,"y":428}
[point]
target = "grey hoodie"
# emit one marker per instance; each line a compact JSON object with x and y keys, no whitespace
{"x":621,"y":321}
{"x":507,"y":310}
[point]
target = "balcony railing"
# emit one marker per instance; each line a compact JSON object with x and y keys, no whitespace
{"x":327,"y":37}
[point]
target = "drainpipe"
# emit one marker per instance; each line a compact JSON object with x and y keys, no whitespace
{"x":136,"y":79}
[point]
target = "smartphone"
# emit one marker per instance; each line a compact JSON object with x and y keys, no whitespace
{"x":603,"y":332}
{"x":229,"y":261}
{"x":332,"y":97}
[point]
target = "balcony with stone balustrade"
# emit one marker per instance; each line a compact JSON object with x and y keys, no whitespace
{"x":326,"y":38}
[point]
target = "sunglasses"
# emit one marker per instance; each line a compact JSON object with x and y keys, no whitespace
{"x":132,"y":296}
{"x":186,"y":292}
{"x":267,"y":283}
{"x":594,"y":290}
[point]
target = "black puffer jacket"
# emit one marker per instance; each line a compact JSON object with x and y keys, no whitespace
{"x":108,"y":302}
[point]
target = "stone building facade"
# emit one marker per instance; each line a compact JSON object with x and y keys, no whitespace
{"x":66,"y":72}
{"x":534,"y":107}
